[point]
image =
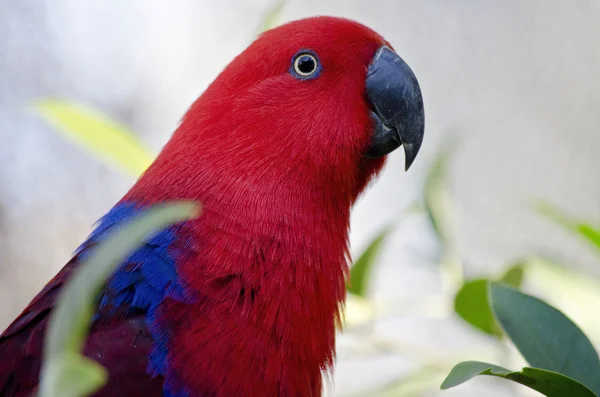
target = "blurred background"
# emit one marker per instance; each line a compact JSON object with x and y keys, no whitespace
{"x":507,"y":177}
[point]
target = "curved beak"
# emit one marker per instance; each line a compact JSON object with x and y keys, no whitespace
{"x":395,"y":97}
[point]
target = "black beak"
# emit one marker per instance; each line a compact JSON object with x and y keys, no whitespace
{"x":394,"y":94}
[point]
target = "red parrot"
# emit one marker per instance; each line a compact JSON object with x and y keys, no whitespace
{"x":245,"y":300}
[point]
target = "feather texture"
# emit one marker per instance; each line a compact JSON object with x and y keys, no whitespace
{"x":124,"y":336}
{"x":245,"y":300}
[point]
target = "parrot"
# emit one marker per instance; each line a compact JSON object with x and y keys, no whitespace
{"x":246,"y":299}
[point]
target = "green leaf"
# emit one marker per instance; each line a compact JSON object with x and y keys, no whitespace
{"x":546,"y":338}
{"x":554,"y":214}
{"x":65,"y":373}
{"x":360,"y":273}
{"x":514,"y":275}
{"x":271,"y":18}
{"x":549,"y":383}
{"x":438,"y":205}
{"x":467,"y":370}
{"x":109,"y":141}
{"x":441,"y":212}
{"x":584,"y":230}
{"x":590,"y":233}
{"x":73,"y":375}
{"x":471,"y":304}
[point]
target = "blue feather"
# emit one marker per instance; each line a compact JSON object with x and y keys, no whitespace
{"x":143,"y":281}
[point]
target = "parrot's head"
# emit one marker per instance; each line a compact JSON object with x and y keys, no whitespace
{"x":317,"y":102}
{"x":277,"y":149}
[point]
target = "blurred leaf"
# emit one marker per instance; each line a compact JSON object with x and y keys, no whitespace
{"x":104,"y":138}
{"x":272,"y":16}
{"x":554,"y":214}
{"x":65,"y":372}
{"x":545,"y":337}
{"x":514,"y":275}
{"x":440,"y":211}
{"x":72,"y":375}
{"x":360,"y":273}
{"x":549,"y":383}
{"x":438,"y":204}
{"x":472,"y":304}
{"x":588,"y":232}
{"x":361,"y":270}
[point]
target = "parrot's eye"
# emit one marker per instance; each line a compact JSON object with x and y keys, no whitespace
{"x":305,"y":65}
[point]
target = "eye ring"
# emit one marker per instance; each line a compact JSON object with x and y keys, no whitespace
{"x":305,"y":65}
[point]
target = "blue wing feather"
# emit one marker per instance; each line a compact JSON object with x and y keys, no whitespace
{"x":143,"y":281}
{"x":129,"y":335}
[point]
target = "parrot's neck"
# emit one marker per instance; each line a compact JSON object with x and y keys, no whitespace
{"x":268,"y":279}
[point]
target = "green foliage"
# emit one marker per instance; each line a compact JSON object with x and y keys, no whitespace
{"x":65,"y":371}
{"x":436,"y":199}
{"x":472,"y":305}
{"x":564,"y":360}
{"x":549,"y":383}
{"x":100,"y":136}
{"x":579,"y":228}
{"x":360,"y":273}
{"x":545,"y":337}
{"x":514,"y":275}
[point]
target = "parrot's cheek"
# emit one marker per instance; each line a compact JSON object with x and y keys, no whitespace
{"x":397,"y":106}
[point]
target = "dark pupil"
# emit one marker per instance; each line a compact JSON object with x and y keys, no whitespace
{"x":306,"y":64}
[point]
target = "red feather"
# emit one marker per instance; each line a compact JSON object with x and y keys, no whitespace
{"x":277,"y":164}
{"x":122,"y":346}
